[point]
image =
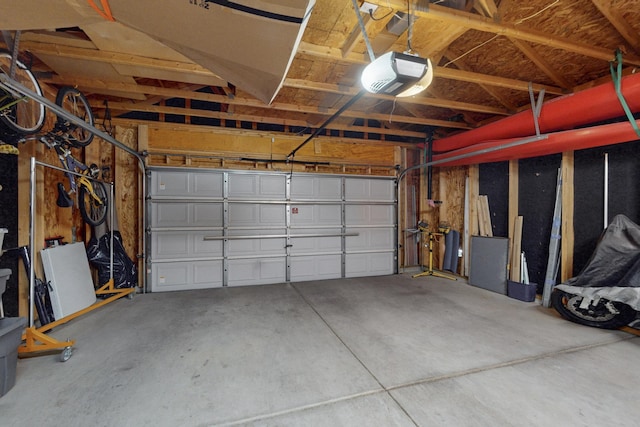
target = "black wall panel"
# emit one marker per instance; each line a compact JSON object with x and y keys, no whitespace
{"x":494,"y":183}
{"x":537,"y":196}
{"x":9,"y":220}
{"x":624,"y":194}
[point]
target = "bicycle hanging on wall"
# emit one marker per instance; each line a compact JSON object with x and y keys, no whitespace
{"x":22,"y":106}
{"x":22,"y":119}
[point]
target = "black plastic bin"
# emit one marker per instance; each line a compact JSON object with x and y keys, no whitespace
{"x":523,"y":291}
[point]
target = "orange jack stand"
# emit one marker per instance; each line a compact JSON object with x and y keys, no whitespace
{"x":35,"y":340}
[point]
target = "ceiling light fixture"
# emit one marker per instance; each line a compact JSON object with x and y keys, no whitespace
{"x":397,"y":74}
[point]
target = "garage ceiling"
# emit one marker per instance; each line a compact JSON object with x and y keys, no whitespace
{"x":488,"y":56}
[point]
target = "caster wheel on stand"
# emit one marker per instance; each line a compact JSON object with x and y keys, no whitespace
{"x":66,"y":354}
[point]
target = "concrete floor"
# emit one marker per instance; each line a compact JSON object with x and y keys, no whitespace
{"x":383,"y":351}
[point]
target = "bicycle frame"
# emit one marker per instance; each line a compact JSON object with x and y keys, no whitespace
{"x":70,"y":163}
{"x":15,"y":99}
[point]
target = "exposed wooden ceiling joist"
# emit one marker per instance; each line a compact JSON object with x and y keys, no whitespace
{"x":541,"y":63}
{"x":66,"y":51}
{"x":621,"y":25}
{"x":481,"y":23}
{"x":491,"y":90}
{"x":426,"y":101}
{"x":444,"y":72}
{"x":499,"y":50}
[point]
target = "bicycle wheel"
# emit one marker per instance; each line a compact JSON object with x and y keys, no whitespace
{"x":93,"y":212}
{"x":75,"y":103}
{"x":20,"y":115}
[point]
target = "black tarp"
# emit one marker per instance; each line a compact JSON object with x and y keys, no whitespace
{"x":99,"y":254}
{"x":613,"y":271}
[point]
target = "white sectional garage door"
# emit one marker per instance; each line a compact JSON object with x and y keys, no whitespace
{"x":212,"y":228}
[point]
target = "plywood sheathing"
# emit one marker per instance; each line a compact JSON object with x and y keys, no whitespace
{"x":200,"y":142}
{"x":584,"y":24}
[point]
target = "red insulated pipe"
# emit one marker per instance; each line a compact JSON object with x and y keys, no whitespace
{"x":557,"y":142}
{"x":565,"y":112}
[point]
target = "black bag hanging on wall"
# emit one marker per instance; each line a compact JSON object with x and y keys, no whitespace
{"x":124,"y":270}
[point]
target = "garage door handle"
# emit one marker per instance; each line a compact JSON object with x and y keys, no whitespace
{"x":278,"y":236}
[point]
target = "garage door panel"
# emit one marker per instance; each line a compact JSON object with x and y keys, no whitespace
{"x":208,"y":273}
{"x":186,"y":184}
{"x":370,"y":239}
{"x":207,"y":214}
{"x":369,"y":264}
{"x":169,"y":183}
{"x":316,"y":188}
{"x":208,"y":243}
{"x":259,"y":271}
{"x":256,"y":187}
{"x":233,"y":228}
{"x":170,"y":245}
{"x":317,"y":267}
{"x":369,"y":189}
{"x":169,"y":214}
{"x":185,"y":244}
{"x":257,"y":247}
{"x":207,"y":184}
{"x":314,"y":215}
{"x":315,"y":245}
{"x":251,"y":214}
{"x":382,"y":215}
{"x":176,"y":276}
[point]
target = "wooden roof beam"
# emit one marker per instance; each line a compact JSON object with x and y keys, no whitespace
{"x":621,"y":25}
{"x":119,"y":58}
{"x":91,"y":84}
{"x":487,"y":8}
{"x":415,"y":100}
{"x":122,"y":107}
{"x":447,"y":73}
{"x":355,"y":36}
{"x":487,"y":88}
{"x":481,"y":23}
{"x":128,"y":106}
{"x":541,"y":63}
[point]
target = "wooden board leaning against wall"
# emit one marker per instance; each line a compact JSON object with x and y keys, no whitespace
{"x":66,"y":223}
{"x":448,"y":186}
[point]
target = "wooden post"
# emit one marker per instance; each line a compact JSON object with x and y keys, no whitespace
{"x":566,"y":260}
{"x":474,"y":193}
{"x":514,"y":196}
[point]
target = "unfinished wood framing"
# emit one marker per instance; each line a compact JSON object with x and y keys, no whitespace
{"x":516,"y":249}
{"x":567,"y":240}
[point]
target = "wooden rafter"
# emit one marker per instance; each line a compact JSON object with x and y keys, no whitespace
{"x":621,"y":25}
{"x":165,"y":93}
{"x":481,"y":23}
{"x":355,"y":36}
{"x":65,"y":51}
{"x":487,"y":8}
{"x":541,"y":63}
{"x":447,"y":73}
{"x":129,"y":106}
{"x":425,"y":101}
{"x":118,"y":108}
{"x":490,"y":89}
